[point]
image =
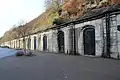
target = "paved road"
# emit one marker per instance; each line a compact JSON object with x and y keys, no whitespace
{"x":48,"y":66}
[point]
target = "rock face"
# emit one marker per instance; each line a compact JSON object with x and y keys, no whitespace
{"x":115,"y":1}
{"x":77,"y":8}
{"x":74,"y":8}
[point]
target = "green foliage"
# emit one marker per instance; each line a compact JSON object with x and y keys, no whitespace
{"x":57,"y":21}
{"x":52,"y":17}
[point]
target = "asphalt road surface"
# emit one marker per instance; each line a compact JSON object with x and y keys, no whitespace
{"x":49,"y":66}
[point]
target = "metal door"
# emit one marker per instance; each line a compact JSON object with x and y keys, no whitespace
{"x":89,"y":41}
{"x":61,"y":41}
{"x":44,"y":43}
{"x":34,"y":43}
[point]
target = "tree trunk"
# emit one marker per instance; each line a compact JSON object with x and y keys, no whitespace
{"x":24,"y":45}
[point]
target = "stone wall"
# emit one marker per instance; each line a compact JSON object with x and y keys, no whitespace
{"x":98,"y":36}
{"x":117,"y":35}
{"x":67,"y":39}
{"x":51,"y":41}
{"x":113,"y":36}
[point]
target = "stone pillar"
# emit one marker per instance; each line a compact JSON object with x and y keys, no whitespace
{"x":67,"y":40}
{"x":70,"y":45}
{"x":54,"y":44}
{"x":99,"y":39}
{"x":72,"y":38}
{"x":80,"y":42}
{"x":49,"y":41}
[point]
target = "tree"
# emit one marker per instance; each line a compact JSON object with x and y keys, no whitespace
{"x":48,"y":3}
{"x":54,"y":4}
{"x":22,"y":31}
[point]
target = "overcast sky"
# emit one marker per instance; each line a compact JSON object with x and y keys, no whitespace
{"x":12,"y":11}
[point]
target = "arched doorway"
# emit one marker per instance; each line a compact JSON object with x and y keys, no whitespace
{"x":89,"y":41}
{"x":24,"y":43}
{"x":19,"y":44}
{"x":60,"y":40}
{"x":44,"y":43}
{"x":14,"y":44}
{"x":34,"y":43}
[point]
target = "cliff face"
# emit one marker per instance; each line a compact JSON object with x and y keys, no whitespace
{"x":77,"y":8}
{"x":71,"y":9}
{"x":114,"y":1}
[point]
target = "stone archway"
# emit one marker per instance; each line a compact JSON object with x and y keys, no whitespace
{"x":14,"y":44}
{"x":19,"y":44}
{"x":24,"y":43}
{"x":89,"y":41}
{"x":34,"y":43}
{"x":44,"y":43}
{"x":60,"y":40}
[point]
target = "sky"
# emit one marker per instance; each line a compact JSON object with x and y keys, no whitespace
{"x":12,"y":11}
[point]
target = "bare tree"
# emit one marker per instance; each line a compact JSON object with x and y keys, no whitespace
{"x":22,"y":31}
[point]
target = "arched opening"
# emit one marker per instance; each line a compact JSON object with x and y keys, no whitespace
{"x":44,"y":43}
{"x":89,"y":41}
{"x":14,"y":44}
{"x":24,"y":43}
{"x":34,"y":43}
{"x":60,"y":40}
{"x":19,"y":44}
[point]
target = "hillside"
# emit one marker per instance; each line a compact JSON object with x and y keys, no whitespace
{"x":70,"y":10}
{"x":40,"y":23}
